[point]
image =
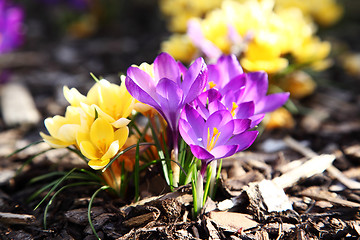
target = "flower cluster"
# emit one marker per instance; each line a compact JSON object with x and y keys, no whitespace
{"x":179,"y":12}
{"x":258,"y":33}
{"x":11,"y":22}
{"x":212,"y":108}
{"x":96,"y":124}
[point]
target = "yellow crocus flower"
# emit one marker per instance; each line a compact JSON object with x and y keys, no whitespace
{"x":63,"y":130}
{"x":101,"y":142}
{"x":180,"y":47}
{"x":110,"y":101}
{"x":264,"y":54}
{"x":312,"y":51}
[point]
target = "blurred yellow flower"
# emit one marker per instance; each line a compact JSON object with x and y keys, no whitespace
{"x":264,"y":54}
{"x":325,"y":12}
{"x":312,"y":51}
{"x":266,"y":35}
{"x":280,"y":118}
{"x":101,"y":142}
{"x":179,"y":12}
{"x":180,"y":47}
{"x":299,"y":84}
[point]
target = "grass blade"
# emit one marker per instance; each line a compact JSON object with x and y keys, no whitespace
{"x":137,"y":174}
{"x":21,"y":149}
{"x":89,"y":209}
{"x":122,"y":152}
{"x":55,"y":186}
{"x":60,"y":190}
{"x":29,"y":160}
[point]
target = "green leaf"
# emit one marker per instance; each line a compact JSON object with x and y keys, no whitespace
{"x":137,"y":174}
{"x":59,"y":181}
{"x":122,"y":152}
{"x":29,"y":160}
{"x":22,"y":149}
{"x":45,"y":176}
{"x":60,"y":190}
{"x":89,"y":209}
{"x":94,"y":77}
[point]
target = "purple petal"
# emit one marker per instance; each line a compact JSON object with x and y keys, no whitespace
{"x":226,"y":132}
{"x":243,"y":140}
{"x":166,"y":67}
{"x":209,"y":96}
{"x":214,"y":75}
{"x":182,"y":69}
{"x":237,"y":82}
{"x":256,"y":86}
{"x":230,"y":66}
{"x":218,"y":120}
{"x":206,"y":46}
{"x":194,"y":121}
{"x":215,"y":106}
{"x":241,"y":125}
{"x":201,"y":153}
{"x":271,"y":102}
{"x":170,"y":98}
{"x":142,"y":79}
{"x":256,"y":119}
{"x":223,"y":151}
{"x":187,"y":133}
{"x":195,"y":80}
{"x":245,"y":110}
{"x":139,"y":94}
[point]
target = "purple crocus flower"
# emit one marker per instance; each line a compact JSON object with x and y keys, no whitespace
{"x":218,"y":135}
{"x":169,"y":89}
{"x":238,"y":87}
{"x":11,"y":22}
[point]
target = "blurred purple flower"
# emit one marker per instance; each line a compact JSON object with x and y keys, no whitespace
{"x":11,"y":23}
{"x":238,"y":87}
{"x":171,"y":87}
{"x":218,"y":135}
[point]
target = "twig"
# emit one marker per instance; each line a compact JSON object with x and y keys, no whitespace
{"x":333,"y":171}
{"x":315,"y":165}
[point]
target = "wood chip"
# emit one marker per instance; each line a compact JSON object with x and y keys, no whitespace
{"x":13,"y":218}
{"x":311,"y":167}
{"x":334,"y":172}
{"x":18,"y":107}
{"x":274,"y":197}
{"x":143,"y":219}
{"x":233,"y":220}
{"x":319,"y":194}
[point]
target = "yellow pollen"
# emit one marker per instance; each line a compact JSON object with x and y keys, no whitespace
{"x":213,"y":139}
{"x":212,"y":84}
{"x":234,"y":107}
{"x":101,"y":143}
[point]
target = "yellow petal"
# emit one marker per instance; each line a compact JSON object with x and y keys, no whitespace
{"x":53,"y":142}
{"x":103,"y":114}
{"x":101,"y":134}
{"x":68,"y":132}
{"x":121,"y":135}
{"x":53,"y":124}
{"x":120,"y":123}
{"x":73,"y":96}
{"x":89,"y":150}
{"x":82,"y":136}
{"x":112,"y":150}
{"x":98,"y":164}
